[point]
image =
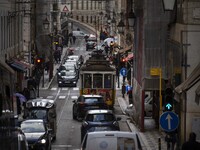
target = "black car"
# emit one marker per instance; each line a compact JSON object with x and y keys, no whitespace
{"x":67,"y":78}
{"x":85,"y":103}
{"x":90,"y":45}
{"x":99,"y":120}
{"x":37,"y":134}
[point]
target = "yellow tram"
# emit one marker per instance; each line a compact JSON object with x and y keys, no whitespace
{"x":98,"y":76}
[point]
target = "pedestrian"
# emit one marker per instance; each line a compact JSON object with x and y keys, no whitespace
{"x":74,"y":39}
{"x":123,"y":90}
{"x":191,"y":144}
{"x":130,"y":95}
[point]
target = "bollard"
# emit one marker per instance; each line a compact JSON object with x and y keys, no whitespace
{"x":159,"y":144}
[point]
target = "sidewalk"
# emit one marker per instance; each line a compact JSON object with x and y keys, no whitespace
{"x":149,"y":138}
{"x":44,"y":81}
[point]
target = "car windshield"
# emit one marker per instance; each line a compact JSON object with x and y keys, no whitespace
{"x":38,"y":114}
{"x":67,"y":73}
{"x":30,"y":127}
{"x":93,"y":100}
{"x":100,"y":117}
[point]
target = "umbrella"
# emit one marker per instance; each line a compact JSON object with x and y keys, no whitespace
{"x":108,"y":41}
{"x":21,"y":97}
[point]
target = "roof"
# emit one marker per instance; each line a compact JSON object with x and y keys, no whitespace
{"x":99,"y":111}
{"x":33,"y":120}
{"x":90,"y":95}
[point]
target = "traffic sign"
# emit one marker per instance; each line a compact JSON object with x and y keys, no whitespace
{"x":123,"y":71}
{"x":169,"y":121}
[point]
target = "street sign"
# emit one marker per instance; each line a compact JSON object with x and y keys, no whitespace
{"x":169,"y":121}
{"x":123,"y":71}
{"x":65,"y":8}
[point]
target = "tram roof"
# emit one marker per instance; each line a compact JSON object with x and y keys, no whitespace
{"x":97,"y":63}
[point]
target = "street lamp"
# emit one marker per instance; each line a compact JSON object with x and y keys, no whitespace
{"x":131,"y":18}
{"x":46,"y":24}
{"x":121,"y":25}
{"x":168,"y":5}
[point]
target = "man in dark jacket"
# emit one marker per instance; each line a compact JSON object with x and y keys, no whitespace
{"x":191,"y":144}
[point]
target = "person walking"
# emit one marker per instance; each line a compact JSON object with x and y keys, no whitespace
{"x":191,"y":144}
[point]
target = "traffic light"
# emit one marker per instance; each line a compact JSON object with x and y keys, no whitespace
{"x":39,"y":62}
{"x":169,"y":100}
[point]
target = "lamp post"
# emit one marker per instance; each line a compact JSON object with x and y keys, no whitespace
{"x":131,"y":19}
{"x":121,"y":25}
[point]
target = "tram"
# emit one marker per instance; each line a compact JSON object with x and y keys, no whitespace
{"x":98,"y":76}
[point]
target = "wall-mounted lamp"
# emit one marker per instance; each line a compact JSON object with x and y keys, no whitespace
{"x":46,"y":24}
{"x":131,"y":18}
{"x":168,"y":5}
{"x":121,"y":25}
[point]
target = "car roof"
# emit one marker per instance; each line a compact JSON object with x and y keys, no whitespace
{"x":90,"y":95}
{"x":40,"y":102}
{"x":33,"y":121}
{"x":112,"y":133}
{"x":100,"y":111}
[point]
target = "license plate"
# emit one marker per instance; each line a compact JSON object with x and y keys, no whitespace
{"x":100,"y":128}
{"x":67,"y":82}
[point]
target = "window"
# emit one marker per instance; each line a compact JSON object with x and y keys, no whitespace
{"x":107,"y":81}
{"x":87,"y":81}
{"x":97,"y":81}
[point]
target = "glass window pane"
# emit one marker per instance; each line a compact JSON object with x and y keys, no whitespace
{"x":87,"y":81}
{"x":97,"y":81}
{"x":107,"y":81}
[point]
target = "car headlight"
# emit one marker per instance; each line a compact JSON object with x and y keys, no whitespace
{"x":43,"y":141}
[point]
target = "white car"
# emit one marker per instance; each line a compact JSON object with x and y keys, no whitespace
{"x":111,"y":140}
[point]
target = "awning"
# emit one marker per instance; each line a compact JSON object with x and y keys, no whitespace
{"x":193,"y":78}
{"x":7,"y":67}
{"x":28,"y":65}
{"x":197,"y":96}
{"x":20,"y":65}
{"x":126,"y":49}
{"x":129,"y":57}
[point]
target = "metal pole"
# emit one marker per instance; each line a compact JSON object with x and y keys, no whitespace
{"x":159,"y":144}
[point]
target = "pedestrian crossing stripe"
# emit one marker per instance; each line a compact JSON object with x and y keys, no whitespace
{"x":53,"y":89}
{"x":49,"y":97}
{"x":62,"y":97}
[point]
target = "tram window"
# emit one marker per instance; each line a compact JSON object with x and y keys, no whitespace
{"x":107,"y":80}
{"x":87,"y":81}
{"x":97,"y":81}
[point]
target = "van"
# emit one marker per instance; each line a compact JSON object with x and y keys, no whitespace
{"x":78,"y":33}
{"x":45,"y":109}
{"x":111,"y":140}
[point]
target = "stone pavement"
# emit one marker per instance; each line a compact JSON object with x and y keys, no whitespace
{"x":149,"y":138}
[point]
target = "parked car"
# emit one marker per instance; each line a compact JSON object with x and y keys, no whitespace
{"x":111,"y":140}
{"x":37,"y":134}
{"x":91,"y":37}
{"x":85,"y":103}
{"x":78,"y":33}
{"x":99,"y":120}
{"x":90,"y":45}
{"x":67,"y":78}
